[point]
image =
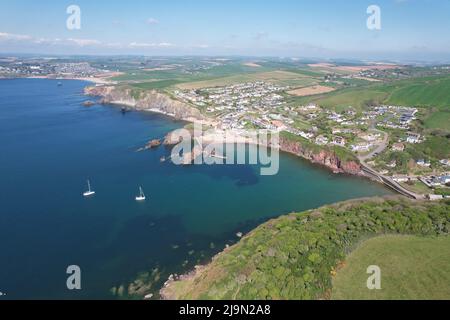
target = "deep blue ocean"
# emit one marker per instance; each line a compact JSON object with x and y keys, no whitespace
{"x":50,"y":144}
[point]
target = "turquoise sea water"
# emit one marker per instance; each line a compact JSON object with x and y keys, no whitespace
{"x":50,"y":144}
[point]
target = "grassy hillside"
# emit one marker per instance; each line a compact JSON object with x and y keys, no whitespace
{"x":421,"y":92}
{"x":439,"y":120}
{"x":295,"y":256}
{"x":411,"y":268}
{"x":425,"y":92}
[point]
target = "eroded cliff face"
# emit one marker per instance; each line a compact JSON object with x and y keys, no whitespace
{"x":145,"y":100}
{"x":324,"y":157}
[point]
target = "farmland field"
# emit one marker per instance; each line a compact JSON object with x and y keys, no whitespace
{"x":285,"y":78}
{"x":188,"y":73}
{"x":439,"y":120}
{"x":420,"y":92}
{"x":342,"y":99}
{"x":309,"y":91}
{"x":426,"y":92}
{"x":411,"y":268}
{"x":161,"y":84}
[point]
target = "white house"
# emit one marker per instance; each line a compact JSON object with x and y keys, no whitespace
{"x":413,"y":138}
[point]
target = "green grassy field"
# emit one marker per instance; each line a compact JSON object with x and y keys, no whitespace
{"x":179,"y":74}
{"x":295,"y":256}
{"x":411,"y":268}
{"x":439,"y":120}
{"x":355,"y":97}
{"x":161,"y":84}
{"x":284,"y":78}
{"x":417,"y":187}
{"x":424,"y":92}
{"x":420,"y":92}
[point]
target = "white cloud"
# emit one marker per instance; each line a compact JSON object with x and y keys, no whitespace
{"x":84,"y":42}
{"x":202,"y":46}
{"x":13,"y":37}
{"x":150,"y":45}
{"x":71,"y":43}
{"x":261,"y":35}
{"x":48,"y":41}
{"x":152,"y":21}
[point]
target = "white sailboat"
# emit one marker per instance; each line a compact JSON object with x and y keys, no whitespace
{"x":89,"y":192}
{"x":141,"y":196}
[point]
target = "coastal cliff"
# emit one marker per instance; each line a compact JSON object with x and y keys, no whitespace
{"x":297,"y":256}
{"x":145,"y":101}
{"x":334,"y":158}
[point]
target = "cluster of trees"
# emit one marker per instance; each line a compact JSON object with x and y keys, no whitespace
{"x":296,"y":256}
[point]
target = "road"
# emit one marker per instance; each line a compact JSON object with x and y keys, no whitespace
{"x":388,"y":181}
{"x":380,"y":148}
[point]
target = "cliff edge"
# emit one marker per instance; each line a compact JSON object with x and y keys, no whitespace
{"x":145,"y":101}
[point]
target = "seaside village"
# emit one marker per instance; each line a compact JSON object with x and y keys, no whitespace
{"x":263,"y":105}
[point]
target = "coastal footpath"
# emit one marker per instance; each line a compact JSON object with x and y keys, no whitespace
{"x":297,"y":256}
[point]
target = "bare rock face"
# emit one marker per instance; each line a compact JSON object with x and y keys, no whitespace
{"x":154,"y":143}
{"x":172,"y":139}
{"x":88,"y":104}
{"x":352,"y":167}
{"x":323,"y":157}
{"x":145,"y":100}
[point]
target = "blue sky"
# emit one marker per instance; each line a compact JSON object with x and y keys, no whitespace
{"x":410,"y":29}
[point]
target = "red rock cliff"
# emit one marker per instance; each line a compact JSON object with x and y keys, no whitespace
{"x":324,"y":156}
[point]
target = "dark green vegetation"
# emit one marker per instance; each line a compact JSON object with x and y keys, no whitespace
{"x":435,"y":147}
{"x":296,"y":256}
{"x":411,"y":268}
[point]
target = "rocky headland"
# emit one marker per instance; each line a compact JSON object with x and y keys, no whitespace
{"x":145,"y":101}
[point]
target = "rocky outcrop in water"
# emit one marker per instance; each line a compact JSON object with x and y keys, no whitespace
{"x":155,"y":143}
{"x":150,"y":100}
{"x":88,"y":104}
